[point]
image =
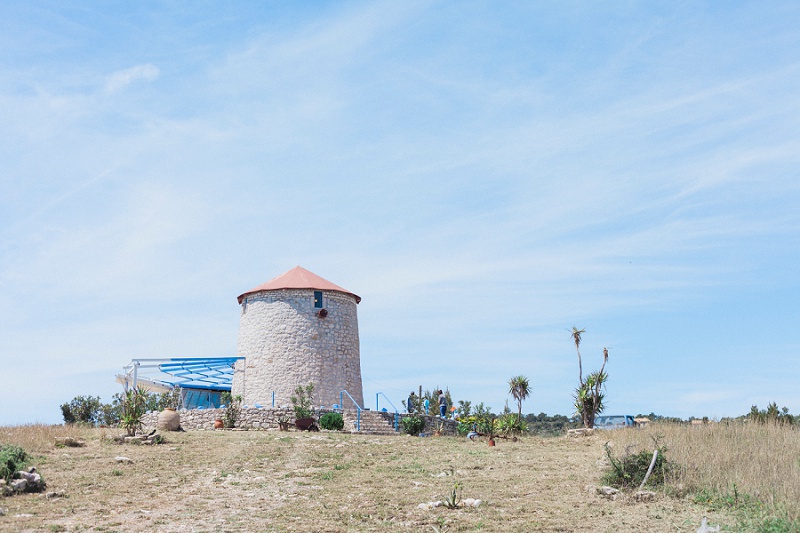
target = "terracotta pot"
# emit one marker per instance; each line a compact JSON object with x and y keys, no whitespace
{"x":169,"y":420}
{"x":491,"y":442}
{"x":306,"y":424}
{"x":219,"y":424}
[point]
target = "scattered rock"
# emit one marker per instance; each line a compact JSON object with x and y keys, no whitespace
{"x":429,"y":505}
{"x":472,"y":502}
{"x":644,"y":496}
{"x":23,"y":482}
{"x":608,"y":492}
{"x":580,"y":432}
{"x":121,"y":459}
{"x":55,"y":495}
{"x":705,"y":528}
{"x":151,"y":438}
{"x":70,"y":442}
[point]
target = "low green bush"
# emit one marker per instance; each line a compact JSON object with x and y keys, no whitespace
{"x":412,"y":425}
{"x":12,"y":459}
{"x":332,"y":421}
{"x":629,"y":470}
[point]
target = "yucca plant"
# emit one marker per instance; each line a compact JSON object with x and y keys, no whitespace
{"x":588,"y":396}
{"x":133,"y":409}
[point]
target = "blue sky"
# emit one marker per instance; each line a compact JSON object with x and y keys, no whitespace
{"x":485,"y":175}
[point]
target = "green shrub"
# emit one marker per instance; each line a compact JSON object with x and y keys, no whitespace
{"x":81,"y":409}
{"x":629,"y":470}
{"x":412,"y":425}
{"x":233,"y":409}
{"x":12,"y":459}
{"x":332,"y":421}
{"x":509,"y":425}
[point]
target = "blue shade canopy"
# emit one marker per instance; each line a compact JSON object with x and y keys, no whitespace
{"x":211,"y":373}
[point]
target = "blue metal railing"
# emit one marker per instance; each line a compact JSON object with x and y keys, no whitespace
{"x":396,"y":412}
{"x":358,"y":407}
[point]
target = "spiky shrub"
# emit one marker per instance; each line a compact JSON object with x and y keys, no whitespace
{"x":12,"y":459}
{"x":133,"y":409}
{"x":509,"y":424}
{"x":589,"y":398}
{"x":412,"y":425}
{"x":452,"y":500}
{"x":332,"y":421}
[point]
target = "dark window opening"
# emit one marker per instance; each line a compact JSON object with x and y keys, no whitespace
{"x":318,"y":299}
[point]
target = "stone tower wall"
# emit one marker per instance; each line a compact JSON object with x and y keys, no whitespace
{"x":286,"y":344}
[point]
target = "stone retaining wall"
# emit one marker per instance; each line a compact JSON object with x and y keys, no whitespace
{"x":249,"y":418}
{"x":267,"y":418}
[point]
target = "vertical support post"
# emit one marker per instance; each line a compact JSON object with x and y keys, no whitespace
{"x":135,"y":373}
{"x":273,"y":399}
{"x":377,"y":405}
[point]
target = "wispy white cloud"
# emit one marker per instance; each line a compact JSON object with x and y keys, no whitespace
{"x":473,"y":174}
{"x":121,"y":79}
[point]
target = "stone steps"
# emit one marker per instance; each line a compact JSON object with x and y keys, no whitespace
{"x":372,"y":422}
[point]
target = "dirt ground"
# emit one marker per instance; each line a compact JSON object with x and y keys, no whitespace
{"x":292,"y":481}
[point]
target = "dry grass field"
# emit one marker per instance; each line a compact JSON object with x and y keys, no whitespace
{"x":737,"y":462}
{"x":292,"y":481}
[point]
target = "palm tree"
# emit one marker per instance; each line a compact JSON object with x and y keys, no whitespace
{"x":519,"y":387}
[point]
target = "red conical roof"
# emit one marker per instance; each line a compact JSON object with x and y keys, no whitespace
{"x":298,"y":278}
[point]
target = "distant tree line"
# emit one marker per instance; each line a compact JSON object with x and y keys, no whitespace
{"x":89,"y":410}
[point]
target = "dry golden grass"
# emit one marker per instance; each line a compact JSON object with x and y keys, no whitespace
{"x":762,"y":461}
{"x":273,"y":481}
{"x":38,"y":438}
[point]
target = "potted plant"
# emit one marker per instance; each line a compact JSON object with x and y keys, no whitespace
{"x":303,"y":407}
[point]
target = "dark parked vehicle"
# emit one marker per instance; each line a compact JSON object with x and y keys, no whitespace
{"x":614,"y":422}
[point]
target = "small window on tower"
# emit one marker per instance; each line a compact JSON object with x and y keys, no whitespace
{"x":318,"y":299}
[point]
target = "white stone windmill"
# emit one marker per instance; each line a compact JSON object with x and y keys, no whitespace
{"x":295,"y":329}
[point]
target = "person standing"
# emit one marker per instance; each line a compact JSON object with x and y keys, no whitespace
{"x":410,"y":403}
{"x":442,"y":404}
